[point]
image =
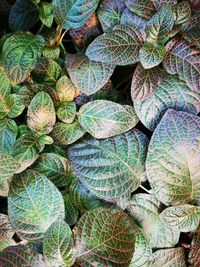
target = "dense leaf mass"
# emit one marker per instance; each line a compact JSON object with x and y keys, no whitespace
{"x":99,"y":133}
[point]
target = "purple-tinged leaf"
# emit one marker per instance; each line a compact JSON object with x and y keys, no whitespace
{"x":129,"y":18}
{"x":192,"y":31}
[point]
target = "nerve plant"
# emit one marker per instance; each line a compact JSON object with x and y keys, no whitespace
{"x":99,"y":133}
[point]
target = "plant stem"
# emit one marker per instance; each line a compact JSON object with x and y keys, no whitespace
{"x":141,"y":186}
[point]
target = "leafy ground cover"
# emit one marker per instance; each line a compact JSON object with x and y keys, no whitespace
{"x":99,"y":133}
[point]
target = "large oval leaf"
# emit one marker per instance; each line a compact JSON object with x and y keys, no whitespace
{"x":120,"y":47}
{"x":172,"y":163}
{"x":73,"y":14}
{"x":21,"y":52}
{"x":183,"y":60}
{"x":113,"y":246}
{"x":34,"y":203}
{"x":145,"y":210}
{"x":103,"y":118}
{"x":41,"y":115}
{"x":111,"y":168}
{"x":88,"y":76}
{"x":171,"y":93}
{"x":58,"y":245}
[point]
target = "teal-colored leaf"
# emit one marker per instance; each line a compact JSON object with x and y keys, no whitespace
{"x":110,"y":168}
{"x":172,"y":163}
{"x":120,"y":47}
{"x":106,"y":236}
{"x":145,"y":210}
{"x":23,"y":15}
{"x":103,"y":118}
{"x":34,"y":203}
{"x":8,"y":134}
{"x":183,"y":60}
{"x":129,"y":18}
{"x":152,"y":55}
{"x":88,"y":76}
{"x":66,"y":112}
{"x":41,"y":115}
{"x":170,"y":93}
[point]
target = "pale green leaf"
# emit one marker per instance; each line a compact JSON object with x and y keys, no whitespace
{"x":46,"y":14}
{"x":66,"y":112}
{"x":51,"y":52}
{"x":8,"y":165}
{"x":34,"y":203}
{"x":5,"y":86}
{"x":182,"y":13}
{"x":103,"y":118}
{"x":65,"y":90}
{"x":4,"y":188}
{"x":110,"y":168}
{"x":172,"y":163}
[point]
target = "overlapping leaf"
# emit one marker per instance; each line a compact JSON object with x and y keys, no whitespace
{"x":182,"y":13}
{"x":143,"y":8}
{"x":8,"y":165}
{"x":110,"y":168}
{"x":58,"y":245}
{"x":34,"y":203}
{"x":129,"y":18}
{"x":21,"y":51}
{"x":66,"y":112}
{"x":103,"y":118}
{"x":194,"y":256}
{"x":88,"y":76}
{"x":170,"y":93}
{"x":120,"y":47}
{"x":73,"y":14}
{"x":183,"y":60}
{"x":145,"y":209}
{"x":6,"y":232}
{"x":71,"y":212}
{"x":192,"y":31}
{"x":172,"y":163}
{"x":104,"y":236}
{"x":46,"y":14}
{"x":65,"y":90}
{"x":8,"y":134}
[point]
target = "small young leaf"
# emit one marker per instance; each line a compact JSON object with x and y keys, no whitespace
{"x":8,"y":134}
{"x":103,"y":118}
{"x":129,"y":18}
{"x":170,"y":93}
{"x":21,"y":51}
{"x":46,"y":14}
{"x":73,"y":14}
{"x":66,"y":134}
{"x":41,"y":114}
{"x":152,"y":55}
{"x":34,"y":203}
{"x":23,"y":15}
{"x":112,"y":246}
{"x":172,"y":163}
{"x":88,"y":76}
{"x":183,"y":60}
{"x":71,"y":212}
{"x":51,"y":52}
{"x":184,"y":218}
{"x":58,"y":245}
{"x":109,"y":13}
{"x":113,"y":166}
{"x":120,"y":47}
{"x":182,"y":13}
{"x":66,"y":112}
{"x":65,"y":90}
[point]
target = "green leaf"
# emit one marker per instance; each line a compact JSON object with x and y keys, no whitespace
{"x":184,"y":218}
{"x":65,"y":90}
{"x":8,"y":134}
{"x":58,"y":245}
{"x":73,"y":14}
{"x":5,"y":86}
{"x":182,"y":13}
{"x":41,"y":115}
{"x":66,"y":112}
{"x":194,"y":255}
{"x":143,"y":8}
{"x":21,"y":51}
{"x":145,"y":82}
{"x":6,"y":232}
{"x":170,"y":93}
{"x":172,"y":163}
{"x":145,"y":209}
{"x":25,"y":151}
{"x":109,"y":13}
{"x":51,"y":52}
{"x":8,"y":166}
{"x":111,"y":247}
{"x":34,"y":203}
{"x":47,"y":72}
{"x":71,"y":212}
{"x":4,"y":188}
{"x":192,"y":31}
{"x":152,"y":55}
{"x":66,"y":134}
{"x":143,"y":252}
{"x":183,"y":60}
{"x":88,"y":76}
{"x":28,"y":91}
{"x":120,"y":47}
{"x":14,"y":106}
{"x":103,"y":118}
{"x":55,"y":167}
{"x":160,"y":25}
{"x":129,"y":18}
{"x":169,"y":257}
{"x":23,"y":15}
{"x":110,"y":168}
{"x":46,"y":14}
